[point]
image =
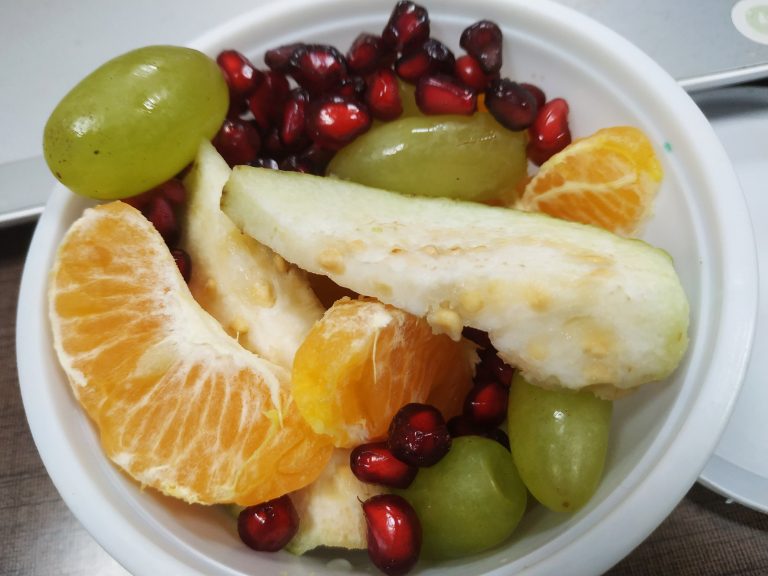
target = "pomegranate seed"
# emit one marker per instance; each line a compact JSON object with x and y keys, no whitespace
{"x":294,"y":163}
{"x":486,"y":404}
{"x":267,"y":100}
{"x":239,"y":73}
{"x":512,"y":105}
{"x":408,"y":24}
{"x":160,"y":212}
{"x":172,"y":190}
{"x":272,"y":146}
{"x":430,"y":57}
{"x":461,"y":426}
{"x":352,"y":88}
{"x":394,"y":533}
{"x":293,"y":128}
{"x":537,"y":92}
{"x":365,"y":54}
{"x":183,"y":262}
{"x":262,"y":162}
{"x":318,"y":67}
{"x":418,"y":435}
{"x":482,"y":40}
{"x":479,"y":337}
{"x":383,"y":95}
{"x":499,"y":435}
{"x":444,"y":95}
{"x":413,"y":66}
{"x":279,"y":59}
{"x":317,"y":158}
{"x":335,"y":121}
{"x":374,"y":463}
{"x":492,"y":367}
{"x":269,"y":526}
{"x":550,"y":132}
{"x":468,"y":70}
{"x":238,"y":141}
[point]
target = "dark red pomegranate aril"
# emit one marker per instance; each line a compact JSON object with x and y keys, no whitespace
{"x":482,"y":40}
{"x":550,"y":132}
{"x":160,"y":212}
{"x":272,"y":146}
{"x":479,"y":337}
{"x":172,"y":190}
{"x":269,"y":526}
{"x":512,"y":105}
{"x":294,"y":163}
{"x":183,"y":262}
{"x":492,"y":367}
{"x":537,"y":92}
{"x":237,"y":141}
{"x":335,"y":121}
{"x":366,"y":54}
{"x":486,"y":404}
{"x":351,"y":87}
{"x":279,"y":59}
{"x":468,"y":70}
{"x":267,"y":100}
{"x":317,"y":158}
{"x":461,"y":426}
{"x":239,"y":73}
{"x":393,"y":533}
{"x":293,"y":133}
{"x":445,"y":95}
{"x":374,"y":463}
{"x":430,"y":57}
{"x":418,"y":435}
{"x":408,"y":24}
{"x":270,"y":163}
{"x":383,"y":95}
{"x":499,"y":435}
{"x":413,"y":66}
{"x":318,"y":68}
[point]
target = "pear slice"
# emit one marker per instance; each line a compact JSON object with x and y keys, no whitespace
{"x":570,"y":305}
{"x":329,"y":508}
{"x":255,"y":295}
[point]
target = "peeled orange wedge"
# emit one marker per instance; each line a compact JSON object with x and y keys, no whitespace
{"x":608,"y":179}
{"x":179,"y":404}
{"x":364,"y":360}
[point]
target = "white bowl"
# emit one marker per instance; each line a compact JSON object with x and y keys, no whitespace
{"x":662,"y":436}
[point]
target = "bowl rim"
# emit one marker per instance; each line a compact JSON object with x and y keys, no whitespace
{"x":119,"y":530}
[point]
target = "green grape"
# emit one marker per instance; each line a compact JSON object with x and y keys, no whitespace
{"x":470,"y":501}
{"x":135,"y":122}
{"x":559,"y":440}
{"x":464,"y":157}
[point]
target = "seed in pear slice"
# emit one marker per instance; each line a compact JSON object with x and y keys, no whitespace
{"x":255,"y":295}
{"x":571,"y":305}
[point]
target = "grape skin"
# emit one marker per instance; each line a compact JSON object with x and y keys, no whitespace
{"x":470,"y":501}
{"x":462,"y":157}
{"x":135,"y":122}
{"x":559,"y":440}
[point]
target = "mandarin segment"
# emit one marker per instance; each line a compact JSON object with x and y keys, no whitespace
{"x":608,"y":179}
{"x":180,"y":406}
{"x":364,"y":360}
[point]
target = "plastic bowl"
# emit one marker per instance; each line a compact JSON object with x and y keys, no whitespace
{"x":662,"y":435}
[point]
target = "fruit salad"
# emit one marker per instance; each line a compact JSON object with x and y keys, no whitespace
{"x":368,"y":299}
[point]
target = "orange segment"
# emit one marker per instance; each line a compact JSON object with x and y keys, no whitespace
{"x":180,"y":406}
{"x":364,"y":360}
{"x":609,"y":179}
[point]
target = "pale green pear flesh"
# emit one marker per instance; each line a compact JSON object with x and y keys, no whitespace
{"x":570,"y":305}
